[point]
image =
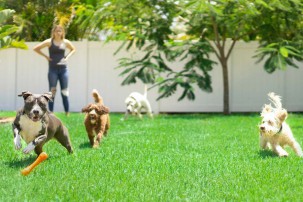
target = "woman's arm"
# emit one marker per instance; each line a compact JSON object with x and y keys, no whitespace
{"x":42,"y":45}
{"x":71,"y":47}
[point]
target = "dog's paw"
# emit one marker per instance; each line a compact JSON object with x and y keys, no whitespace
{"x":284,"y":154}
{"x":140,"y":116}
{"x":17,"y":142}
{"x":30,"y":147}
{"x":96,"y":145}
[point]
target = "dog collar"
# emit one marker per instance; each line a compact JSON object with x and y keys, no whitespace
{"x":279,"y":131}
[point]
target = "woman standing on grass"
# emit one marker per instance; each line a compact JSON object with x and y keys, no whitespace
{"x":57,"y":59}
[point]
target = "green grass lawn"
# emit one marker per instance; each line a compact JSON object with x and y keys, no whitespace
{"x":189,"y":157}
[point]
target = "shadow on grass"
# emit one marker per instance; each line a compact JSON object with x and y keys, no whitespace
{"x":22,"y":163}
{"x":267,"y":154}
{"x":85,"y":145}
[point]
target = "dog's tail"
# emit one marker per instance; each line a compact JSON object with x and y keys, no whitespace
{"x":145,"y":91}
{"x":98,"y":99}
{"x":275,"y":99}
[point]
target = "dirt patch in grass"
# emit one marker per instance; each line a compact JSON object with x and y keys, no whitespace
{"x":6,"y":119}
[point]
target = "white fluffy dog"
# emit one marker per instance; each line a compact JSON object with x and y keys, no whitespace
{"x":136,"y":102}
{"x":275,"y":133}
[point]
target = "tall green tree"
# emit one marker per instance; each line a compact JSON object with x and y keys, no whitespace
{"x":274,"y":23}
{"x":7,"y":30}
{"x":147,"y":25}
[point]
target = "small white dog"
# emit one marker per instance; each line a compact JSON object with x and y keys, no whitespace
{"x":135,"y":102}
{"x":275,"y":133}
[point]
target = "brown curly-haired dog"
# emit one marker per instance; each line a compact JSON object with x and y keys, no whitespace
{"x":97,"y":120}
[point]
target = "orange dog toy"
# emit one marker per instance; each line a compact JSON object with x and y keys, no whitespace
{"x":43,"y":156}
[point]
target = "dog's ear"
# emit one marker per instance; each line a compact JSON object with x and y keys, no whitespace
{"x":25,"y":94}
{"x":127,"y":100}
{"x":102,"y":110}
{"x":282,"y":115}
{"x":48,"y":96}
{"x":86,"y":109}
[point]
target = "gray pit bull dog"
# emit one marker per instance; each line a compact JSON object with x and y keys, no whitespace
{"x":36,"y":125}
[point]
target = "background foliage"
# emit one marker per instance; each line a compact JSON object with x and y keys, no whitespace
{"x":7,"y":29}
{"x":37,"y":17}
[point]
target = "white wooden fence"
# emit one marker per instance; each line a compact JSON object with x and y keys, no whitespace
{"x":93,"y":66}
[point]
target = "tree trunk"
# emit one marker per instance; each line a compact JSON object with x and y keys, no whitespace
{"x":225,"y":87}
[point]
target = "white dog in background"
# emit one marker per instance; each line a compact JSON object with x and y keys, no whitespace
{"x":136,"y":102}
{"x":275,"y":133}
